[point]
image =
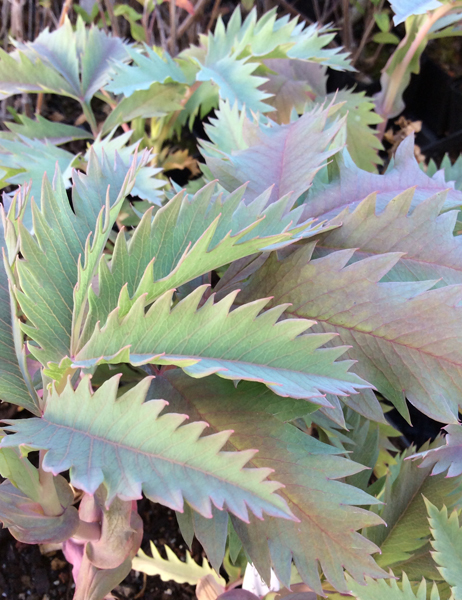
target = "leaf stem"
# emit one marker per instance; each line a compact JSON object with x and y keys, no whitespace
{"x":88,"y":532}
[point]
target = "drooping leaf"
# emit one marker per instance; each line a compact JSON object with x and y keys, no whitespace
{"x":286,"y":156}
{"x":189,"y":237}
{"x":172,"y":568}
{"x":353,"y":185}
{"x":81,"y":431}
{"x":205,"y":338}
{"x":404,"y":510}
{"x":48,"y":270}
{"x":448,"y":457}
{"x":447,"y":542}
{"x":392,"y":590}
{"x":406,"y":8}
{"x":403,"y":336}
{"x":26,"y":519}
{"x":13,"y":372}
{"x":426,"y":236}
{"x":43,"y":129}
{"x":67,"y":62}
{"x":326,"y":535}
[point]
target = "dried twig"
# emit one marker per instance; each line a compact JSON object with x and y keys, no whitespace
{"x":214,"y":14}
{"x":114,"y":23}
{"x":367,"y":32}
{"x":347,"y":30}
{"x":66,"y":7}
{"x":172,"y":39}
{"x":190,"y":19}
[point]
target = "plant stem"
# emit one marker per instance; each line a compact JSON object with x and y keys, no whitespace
{"x":66,"y":7}
{"x":400,"y":71}
{"x":50,"y":501}
{"x":90,"y":116}
{"x":88,"y":532}
{"x":172,"y":27}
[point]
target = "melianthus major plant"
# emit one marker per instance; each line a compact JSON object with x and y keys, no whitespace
{"x":227,"y":350}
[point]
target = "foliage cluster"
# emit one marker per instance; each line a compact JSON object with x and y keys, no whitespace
{"x":229,"y":350}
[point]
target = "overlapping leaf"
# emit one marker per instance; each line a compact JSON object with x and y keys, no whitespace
{"x":43,"y":129}
{"x":448,"y":457}
{"x":447,"y":542}
{"x":452,"y":172}
{"x":241,"y":344}
{"x":48,"y":270}
{"x":189,"y":237}
{"x":406,"y":339}
{"x":172,"y":568}
{"x":392,"y":590}
{"x":74,"y":64}
{"x":426,"y":236}
{"x":327,"y":200}
{"x":326,"y":534}
{"x":406,"y":8}
{"x":13,"y":387}
{"x":286,"y":156}
{"x":124,"y":443}
{"x":404,"y":510}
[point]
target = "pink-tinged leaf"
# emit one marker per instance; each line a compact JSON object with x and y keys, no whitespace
{"x":407,"y":340}
{"x":186,"y":4}
{"x":157,"y":454}
{"x":286,"y":156}
{"x":425,"y":235}
{"x":448,"y":457}
{"x":354,"y":184}
{"x":29,"y":524}
{"x":326,"y":536}
{"x":237,"y":595}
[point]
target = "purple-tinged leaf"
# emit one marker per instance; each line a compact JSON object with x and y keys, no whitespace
{"x":448,"y":457}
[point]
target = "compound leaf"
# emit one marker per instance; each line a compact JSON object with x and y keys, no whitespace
{"x":404,"y":337}
{"x":327,"y":532}
{"x":124,"y":443}
{"x":204,"y":338}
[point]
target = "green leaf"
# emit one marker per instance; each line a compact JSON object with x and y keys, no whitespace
{"x":426,"y":237}
{"x":81,"y":431}
{"x":327,"y":200}
{"x":172,"y":568}
{"x":385,"y":38}
{"x":452,"y":172}
{"x":250,"y":346}
{"x":447,"y":542}
{"x":403,"y":337}
{"x":326,"y":535}
{"x":158,"y":101}
{"x":406,"y":8}
{"x":20,"y":472}
{"x":187,"y":238}
{"x":48,"y":271}
{"x":43,"y":129}
{"x":71,"y":63}
{"x":404,"y":509}
{"x":391,"y":590}
{"x":13,"y":370}
{"x":146,"y":70}
{"x":286,"y":156}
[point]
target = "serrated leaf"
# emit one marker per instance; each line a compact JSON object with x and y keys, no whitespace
{"x":406,"y":8}
{"x":286,"y":156}
{"x":170,"y":463}
{"x":250,"y":346}
{"x":48,"y":271}
{"x":67,"y":62}
{"x":20,"y":472}
{"x":452,"y":172}
{"x":354,"y":184}
{"x":189,"y":237}
{"x":43,"y":129}
{"x":424,"y":235}
{"x":447,"y":542}
{"x":157,"y":101}
{"x":391,"y":590}
{"x":13,"y":373}
{"x":145,"y":70}
{"x":172,"y":568}
{"x":448,"y":457}
{"x":326,"y":535}
{"x":404,"y":510}
{"x":403,"y":336}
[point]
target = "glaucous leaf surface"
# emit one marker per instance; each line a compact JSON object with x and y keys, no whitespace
{"x":447,"y":543}
{"x":43,"y":129}
{"x":189,"y":237}
{"x":126,"y":444}
{"x":424,"y":235}
{"x":326,"y":535}
{"x":203,"y":337}
{"x":406,"y":8}
{"x":404,"y":337}
{"x":328,"y":199}
{"x":286,"y":156}
{"x":447,"y":457}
